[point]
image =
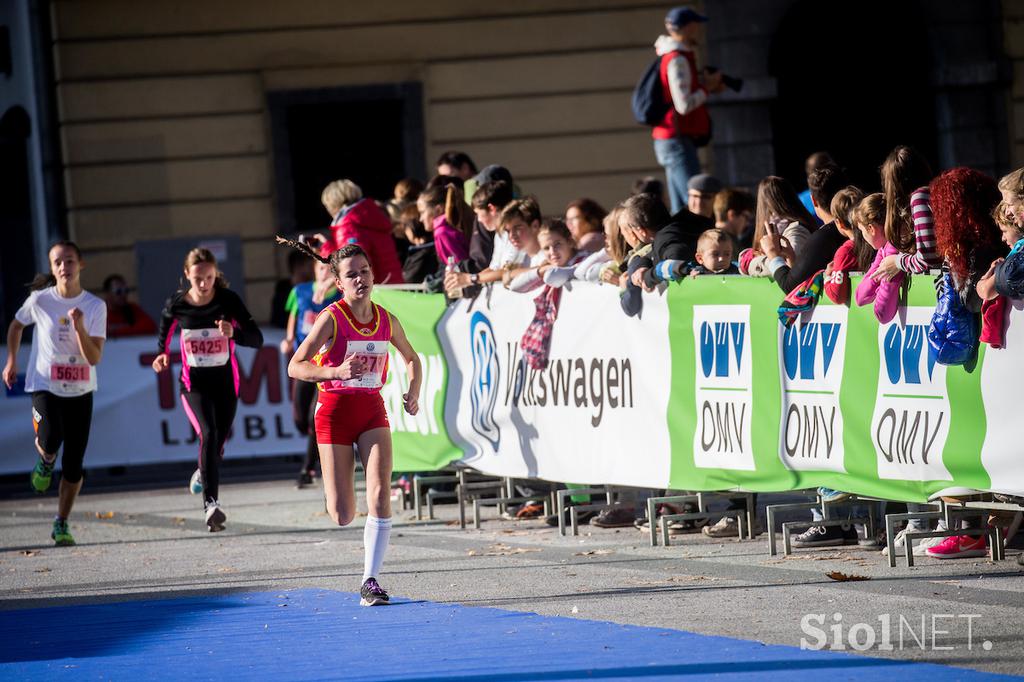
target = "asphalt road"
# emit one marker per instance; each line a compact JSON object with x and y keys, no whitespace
{"x":153,"y":544}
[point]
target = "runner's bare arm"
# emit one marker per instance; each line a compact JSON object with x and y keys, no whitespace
{"x":412,"y":359}
{"x":301,"y":365}
{"x":13,"y":342}
{"x":91,"y":346}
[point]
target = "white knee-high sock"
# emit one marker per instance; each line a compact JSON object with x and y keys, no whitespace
{"x":376,"y":535}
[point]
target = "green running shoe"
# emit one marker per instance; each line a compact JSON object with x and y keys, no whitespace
{"x":41,"y":476}
{"x":61,"y":533}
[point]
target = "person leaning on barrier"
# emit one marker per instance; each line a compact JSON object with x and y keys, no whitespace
{"x":675,"y":240}
{"x":821,"y":246}
{"x":734,"y":212}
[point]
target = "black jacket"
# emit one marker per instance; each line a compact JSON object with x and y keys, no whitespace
{"x":818,"y":251}
{"x":675,"y":241}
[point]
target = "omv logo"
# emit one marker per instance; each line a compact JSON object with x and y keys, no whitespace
{"x":718,"y":342}
{"x":483,"y":388}
{"x":908,"y":354}
{"x":801,"y":348}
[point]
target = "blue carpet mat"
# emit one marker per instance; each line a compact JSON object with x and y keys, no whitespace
{"x":319,"y":634}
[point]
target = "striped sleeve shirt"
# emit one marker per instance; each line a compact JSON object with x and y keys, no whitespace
{"x":924,"y":236}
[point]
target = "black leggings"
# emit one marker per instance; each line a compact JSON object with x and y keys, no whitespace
{"x":64,"y":421}
{"x":211,"y":415}
{"x":303,"y":408}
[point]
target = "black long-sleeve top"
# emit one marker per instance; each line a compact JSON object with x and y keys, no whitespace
{"x":225,"y":305}
{"x":817,"y":252}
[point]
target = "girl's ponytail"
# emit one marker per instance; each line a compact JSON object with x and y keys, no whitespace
{"x":455,"y":209}
{"x":303,"y":247}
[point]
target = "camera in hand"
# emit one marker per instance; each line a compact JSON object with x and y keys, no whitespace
{"x":731,"y":82}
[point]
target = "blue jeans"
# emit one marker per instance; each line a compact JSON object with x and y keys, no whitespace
{"x":678,"y":156}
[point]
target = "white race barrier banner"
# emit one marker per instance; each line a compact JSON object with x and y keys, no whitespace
{"x":137,"y":415}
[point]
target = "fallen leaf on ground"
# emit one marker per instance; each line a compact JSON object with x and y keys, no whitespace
{"x":105,"y":515}
{"x":689,"y":578}
{"x":594,"y":552}
{"x":178,"y":520}
{"x":845,"y":577}
{"x":44,"y":569}
{"x":28,"y":552}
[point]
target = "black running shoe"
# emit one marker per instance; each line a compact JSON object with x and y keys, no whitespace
{"x":305,"y":479}
{"x":372,"y":594}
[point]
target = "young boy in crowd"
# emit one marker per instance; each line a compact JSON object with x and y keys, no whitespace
{"x":714,"y":256}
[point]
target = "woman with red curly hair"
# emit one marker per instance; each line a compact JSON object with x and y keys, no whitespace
{"x":966,"y":236}
{"x":968,"y":240}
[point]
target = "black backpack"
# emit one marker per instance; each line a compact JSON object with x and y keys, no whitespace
{"x":649,"y":105}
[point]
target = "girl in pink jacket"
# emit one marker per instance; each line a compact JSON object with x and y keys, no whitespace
{"x":870,"y":217}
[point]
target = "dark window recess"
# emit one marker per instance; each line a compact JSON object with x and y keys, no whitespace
{"x":17,"y":259}
{"x":856,"y":91}
{"x":372,"y":135}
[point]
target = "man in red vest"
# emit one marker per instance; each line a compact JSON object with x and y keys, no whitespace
{"x":686,"y":124}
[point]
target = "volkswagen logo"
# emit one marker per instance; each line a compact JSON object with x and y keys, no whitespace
{"x":483,"y":388}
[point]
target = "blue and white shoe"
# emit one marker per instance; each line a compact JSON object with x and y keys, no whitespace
{"x":829,"y":495}
{"x":195,"y":484}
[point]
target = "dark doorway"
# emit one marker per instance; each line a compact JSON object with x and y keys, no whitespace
{"x":372,"y":135}
{"x":853,"y":80}
{"x":17,"y":257}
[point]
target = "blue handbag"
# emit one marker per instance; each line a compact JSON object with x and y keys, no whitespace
{"x":953,"y":333}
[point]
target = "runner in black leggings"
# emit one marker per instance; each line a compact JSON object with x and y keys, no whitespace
{"x":212,"y":319}
{"x":71,"y":326}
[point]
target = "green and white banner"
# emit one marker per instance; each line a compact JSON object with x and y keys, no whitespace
{"x":707,"y":391}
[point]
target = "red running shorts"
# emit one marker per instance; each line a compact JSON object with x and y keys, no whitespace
{"x":342,"y":417}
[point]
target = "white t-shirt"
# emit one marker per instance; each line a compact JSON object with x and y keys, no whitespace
{"x":504,"y":253}
{"x":55,"y":352}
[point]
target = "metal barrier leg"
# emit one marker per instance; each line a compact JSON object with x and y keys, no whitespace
{"x":476,"y":514}
{"x":773,"y":550}
{"x":418,"y":501}
{"x":890,"y":540}
{"x":652,"y":515}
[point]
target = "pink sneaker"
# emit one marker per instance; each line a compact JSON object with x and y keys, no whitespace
{"x":958,"y":547}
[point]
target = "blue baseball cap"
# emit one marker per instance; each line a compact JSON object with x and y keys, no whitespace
{"x":678,"y":17}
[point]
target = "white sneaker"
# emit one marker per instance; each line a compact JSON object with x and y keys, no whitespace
{"x":215,"y":517}
{"x":924,"y":543}
{"x":899,"y":542}
{"x":195,"y":484}
{"x":725,"y":528}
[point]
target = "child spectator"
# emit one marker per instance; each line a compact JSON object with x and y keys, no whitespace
{"x":713,"y":256}
{"x":520,"y":221}
{"x":855,"y":254}
{"x":560,"y":252}
{"x":489,"y":247}
{"x":421,"y":260}
{"x":734,"y":212}
{"x":779,"y":211}
{"x":441,"y":208}
{"x":673,"y":239}
{"x":124,"y":317}
{"x":885,"y":293}
{"x":406,"y":191}
{"x":605,"y":266}
{"x":583,"y":217}
{"x":908,"y":223}
{"x":820,"y":247}
{"x":1013,"y":236}
{"x":560,"y":259}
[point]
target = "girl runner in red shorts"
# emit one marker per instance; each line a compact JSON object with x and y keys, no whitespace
{"x":346,"y":353}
